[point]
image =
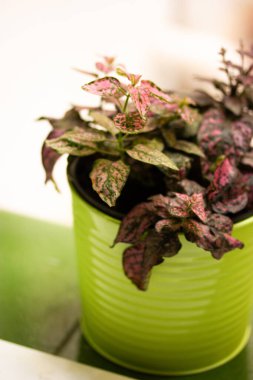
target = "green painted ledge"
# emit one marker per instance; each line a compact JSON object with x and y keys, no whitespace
{"x":39,"y":300}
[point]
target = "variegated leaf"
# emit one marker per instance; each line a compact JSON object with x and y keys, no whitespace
{"x":152,"y":156}
{"x":50,"y":156}
{"x":198,"y":206}
{"x":136,"y":223}
{"x":107,"y":86}
{"x":70,"y":120}
{"x":139,"y":259}
{"x":108,"y":179}
{"x":104,"y":121}
{"x":213,"y":240}
{"x":83,"y":135}
{"x":172,"y":224}
{"x":156,"y":92}
{"x":131,"y":122}
{"x":140,"y":97}
{"x":133,"y":78}
{"x":220,"y":222}
{"x":63,"y":146}
{"x":188,"y":147}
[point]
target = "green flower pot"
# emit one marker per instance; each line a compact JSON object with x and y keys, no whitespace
{"x":194,"y":316}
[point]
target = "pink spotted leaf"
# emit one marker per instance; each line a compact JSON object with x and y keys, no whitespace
{"x":131,"y":122}
{"x":107,"y":86}
{"x":141,"y":99}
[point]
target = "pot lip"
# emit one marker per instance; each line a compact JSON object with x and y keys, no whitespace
{"x":242,"y":220}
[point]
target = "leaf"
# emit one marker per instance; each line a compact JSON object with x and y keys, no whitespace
{"x":82,"y":136}
{"x":139,"y":259}
{"x":107,"y":66}
{"x":210,"y":239}
{"x":233,"y":104}
{"x":133,"y":78}
{"x":188,"y":147}
{"x":70,"y":120}
{"x":107,"y":86}
{"x":156,"y":92}
{"x":140,"y":97}
{"x":220,"y":222}
{"x":50,"y":156}
{"x":169,"y":137}
{"x":179,"y":205}
{"x":184,"y":206}
{"x":189,"y":115}
{"x":227,"y":193}
{"x":108,"y":179}
{"x":129,"y":123}
{"x":171,"y":224}
{"x":151,"y":156}
{"x":63,"y":146}
{"x":136,"y":223}
{"x":242,"y":134}
{"x":198,"y":206}
{"x":104,"y":121}
{"x":191,"y":187}
{"x":85,"y":72}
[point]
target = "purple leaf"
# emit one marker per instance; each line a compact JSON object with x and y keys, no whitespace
{"x":227,"y":193}
{"x":107,"y":86}
{"x":184,"y":206}
{"x":190,"y":187}
{"x":139,"y":259}
{"x":179,"y":206}
{"x":210,"y":239}
{"x":198,"y":206}
{"x":129,"y":123}
{"x":70,"y":120}
{"x":108,"y":179}
{"x":172,"y":224}
{"x":220,"y":222}
{"x":50,"y":156}
{"x":141,"y":99}
{"x":242,"y":134}
{"x":135,"y":223}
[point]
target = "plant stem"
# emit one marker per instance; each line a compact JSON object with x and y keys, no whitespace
{"x":126,"y":103}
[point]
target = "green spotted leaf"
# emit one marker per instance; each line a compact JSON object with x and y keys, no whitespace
{"x":62,"y":146}
{"x":108,"y":179}
{"x":83,"y":135}
{"x":104,"y":121}
{"x":188,"y":147}
{"x":151,"y":155}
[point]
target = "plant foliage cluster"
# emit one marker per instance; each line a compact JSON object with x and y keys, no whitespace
{"x":201,"y":144}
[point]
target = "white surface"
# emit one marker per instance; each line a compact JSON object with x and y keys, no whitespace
{"x":20,"y":363}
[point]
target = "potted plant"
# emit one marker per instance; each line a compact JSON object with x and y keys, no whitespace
{"x":158,"y":178}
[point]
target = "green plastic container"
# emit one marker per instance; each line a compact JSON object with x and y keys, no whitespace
{"x":194,"y":316}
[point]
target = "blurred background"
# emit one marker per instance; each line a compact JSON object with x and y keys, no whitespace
{"x":168,"y":41}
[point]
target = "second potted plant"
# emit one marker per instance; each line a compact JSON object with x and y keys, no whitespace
{"x":178,"y":173}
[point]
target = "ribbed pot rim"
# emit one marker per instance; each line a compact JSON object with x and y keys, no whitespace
{"x":244,"y":217}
